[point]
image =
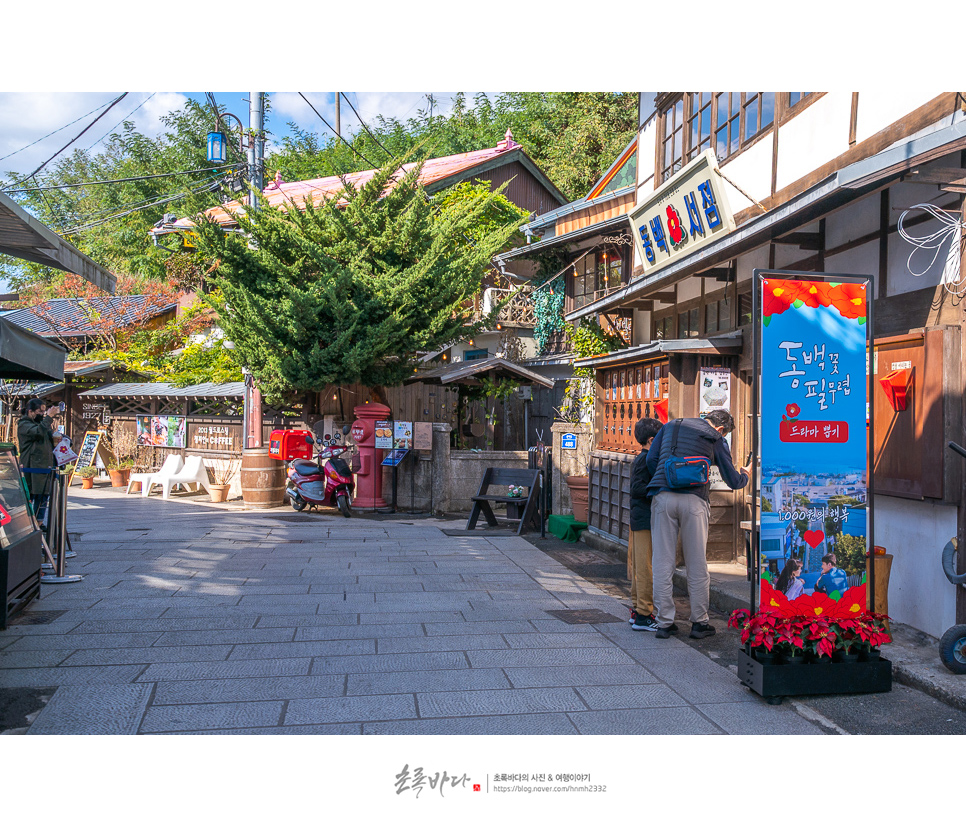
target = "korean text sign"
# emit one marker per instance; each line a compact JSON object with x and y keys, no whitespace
{"x":686,"y":213}
{"x":814,"y":448}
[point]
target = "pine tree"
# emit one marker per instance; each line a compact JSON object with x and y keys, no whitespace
{"x":355,"y":289}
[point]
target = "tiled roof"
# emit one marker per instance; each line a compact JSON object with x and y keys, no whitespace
{"x":70,"y":318}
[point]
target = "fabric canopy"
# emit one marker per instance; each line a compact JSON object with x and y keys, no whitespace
{"x":25,"y":355}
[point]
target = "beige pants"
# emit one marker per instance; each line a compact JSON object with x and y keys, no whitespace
{"x":639,"y":568}
{"x":683,"y":513}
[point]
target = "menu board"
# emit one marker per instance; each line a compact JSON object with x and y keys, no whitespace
{"x":383,"y":434}
{"x":423,"y":436}
{"x":88,"y":452}
{"x":402,"y":435}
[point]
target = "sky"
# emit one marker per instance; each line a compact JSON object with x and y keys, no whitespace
{"x":34,"y":126}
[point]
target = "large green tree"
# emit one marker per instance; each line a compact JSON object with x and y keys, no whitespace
{"x":354,"y":290}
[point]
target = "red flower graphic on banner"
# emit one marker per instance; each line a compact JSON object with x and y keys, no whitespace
{"x":792,"y":410}
{"x":778,"y":295}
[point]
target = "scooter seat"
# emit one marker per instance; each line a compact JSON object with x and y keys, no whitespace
{"x":304,"y":467}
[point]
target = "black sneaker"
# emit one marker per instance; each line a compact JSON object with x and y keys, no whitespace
{"x":663,"y":632}
{"x":644,"y":622}
{"x":701,"y":630}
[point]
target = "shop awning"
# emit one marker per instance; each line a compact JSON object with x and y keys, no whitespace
{"x":727,"y":344}
{"x":478,"y":369}
{"x":25,"y":237}
{"x":851,"y":183}
{"x":25,"y":355}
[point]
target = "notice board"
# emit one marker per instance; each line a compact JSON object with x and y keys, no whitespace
{"x":87,"y":453}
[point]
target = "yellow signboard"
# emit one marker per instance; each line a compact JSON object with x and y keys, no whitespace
{"x":686,"y":213}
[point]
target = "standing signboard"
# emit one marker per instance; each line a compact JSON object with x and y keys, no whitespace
{"x":815,"y":490}
{"x":91,"y":447}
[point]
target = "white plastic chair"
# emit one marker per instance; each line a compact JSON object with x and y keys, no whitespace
{"x":172,"y":464}
{"x":193,"y":472}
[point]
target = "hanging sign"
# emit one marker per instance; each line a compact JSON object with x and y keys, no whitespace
{"x":423,"y":436}
{"x":685,"y":214}
{"x":161,"y":430}
{"x":568,"y":441}
{"x":814,"y":447}
{"x":402,"y":435}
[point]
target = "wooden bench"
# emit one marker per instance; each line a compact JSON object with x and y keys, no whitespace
{"x":524,"y":509}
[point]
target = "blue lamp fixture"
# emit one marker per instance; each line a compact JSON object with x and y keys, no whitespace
{"x":217,"y":147}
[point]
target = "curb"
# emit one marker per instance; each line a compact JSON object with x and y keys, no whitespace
{"x":905,"y":670}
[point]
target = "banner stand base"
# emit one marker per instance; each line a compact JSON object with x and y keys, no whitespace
{"x":60,"y":580}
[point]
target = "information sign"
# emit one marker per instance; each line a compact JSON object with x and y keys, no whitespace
{"x":568,"y":441}
{"x":383,"y":434}
{"x":395,"y":457}
{"x":423,"y":437}
{"x":402,"y":435}
{"x":814,"y":447}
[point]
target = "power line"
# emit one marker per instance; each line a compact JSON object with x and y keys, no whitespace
{"x":123,"y":179}
{"x":41,"y":139}
{"x":366,"y":128}
{"x":332,"y":131}
{"x":128,"y":116}
{"x":71,"y":142}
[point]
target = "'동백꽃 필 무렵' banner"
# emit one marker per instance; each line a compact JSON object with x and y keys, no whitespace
{"x":814,"y":454}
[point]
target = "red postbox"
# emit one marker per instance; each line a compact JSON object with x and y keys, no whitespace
{"x":369,"y":475}
{"x":290,"y":444}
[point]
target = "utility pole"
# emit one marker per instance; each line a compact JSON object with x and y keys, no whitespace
{"x":256,"y":147}
{"x":338,"y":116}
{"x":432,"y":101}
{"x":256,"y":161}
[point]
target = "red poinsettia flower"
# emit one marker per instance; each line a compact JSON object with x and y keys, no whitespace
{"x":775,"y":602}
{"x":816,"y":604}
{"x":851,"y":604}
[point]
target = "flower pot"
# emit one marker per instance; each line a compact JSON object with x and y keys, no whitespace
{"x":218,"y":492}
{"x":869,"y":655}
{"x":766,"y":658}
{"x":119,"y":477}
{"x":794,"y":659}
{"x":843,"y":656}
{"x":579,"y":488}
{"x":818,"y":658}
{"x":87,"y":483}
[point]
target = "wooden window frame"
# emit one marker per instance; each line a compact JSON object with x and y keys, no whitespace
{"x":693,"y":105}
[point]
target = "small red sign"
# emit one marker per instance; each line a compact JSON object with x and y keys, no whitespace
{"x":476,"y":787}
{"x":813,"y":431}
{"x":4,"y":516}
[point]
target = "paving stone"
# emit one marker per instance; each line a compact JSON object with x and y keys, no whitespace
{"x":644,"y":722}
{"x":546,"y":657}
{"x":298,"y":730}
{"x":698,"y":679}
{"x":392,"y":645}
{"x":250,"y":689}
{"x":497,"y":627}
{"x":389,"y":663}
{"x":306,"y":621}
{"x":630,"y":697}
{"x":623,"y":674}
{"x":66,"y":675}
{"x":426,"y":681}
{"x":578,"y":639}
{"x":497,"y":702}
{"x":355,"y":708}
{"x":226,"y":669}
{"x":77,"y":640}
{"x":168,"y":624}
{"x":357,"y":632}
{"x":212,"y":716}
{"x":231,"y":636}
{"x":417,"y":616}
{"x":759,"y":719}
{"x":12,"y":659}
{"x":148,"y":654}
{"x":93,"y":710}
{"x":541,"y":724}
{"x":304,"y":648}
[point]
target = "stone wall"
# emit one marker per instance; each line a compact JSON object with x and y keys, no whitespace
{"x":569,"y":462}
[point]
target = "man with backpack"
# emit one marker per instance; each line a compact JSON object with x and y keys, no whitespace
{"x":680,"y":458}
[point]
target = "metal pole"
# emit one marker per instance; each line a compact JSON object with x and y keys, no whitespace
{"x":870,"y":441}
{"x":256,"y":148}
{"x":57,"y":515}
{"x":338,"y":116}
{"x":755,"y":394}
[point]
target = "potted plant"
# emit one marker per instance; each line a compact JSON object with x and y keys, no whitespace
{"x":819,"y":641}
{"x":790,"y":641}
{"x":848,"y":636}
{"x":87,"y":474}
{"x":874,"y":633}
{"x":124,"y":447}
{"x":758,"y":632}
{"x":220,"y":474}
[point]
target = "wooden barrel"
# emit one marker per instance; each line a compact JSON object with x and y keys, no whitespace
{"x":262,"y":479}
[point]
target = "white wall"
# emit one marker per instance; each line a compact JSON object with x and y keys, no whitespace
{"x":880,"y":108}
{"x":915,"y":532}
{"x":751,"y":172}
{"x":814,"y":137}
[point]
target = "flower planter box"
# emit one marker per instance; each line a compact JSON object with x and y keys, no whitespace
{"x":774,"y":681}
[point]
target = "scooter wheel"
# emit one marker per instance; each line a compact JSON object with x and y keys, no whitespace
{"x":952,"y":649}
{"x":298,"y":504}
{"x":343,"y":502}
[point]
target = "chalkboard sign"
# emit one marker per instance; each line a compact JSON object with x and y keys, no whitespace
{"x":88,"y":451}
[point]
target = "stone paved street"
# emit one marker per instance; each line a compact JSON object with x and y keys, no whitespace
{"x":193,"y":618}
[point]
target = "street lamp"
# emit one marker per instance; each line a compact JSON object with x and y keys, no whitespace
{"x":217,"y":147}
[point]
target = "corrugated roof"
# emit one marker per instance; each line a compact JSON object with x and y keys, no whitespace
{"x":437,"y":172}
{"x":164,"y":389}
{"x":455,"y":371}
{"x":73,"y":316}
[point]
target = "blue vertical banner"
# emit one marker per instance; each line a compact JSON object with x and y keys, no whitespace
{"x":813,"y":499}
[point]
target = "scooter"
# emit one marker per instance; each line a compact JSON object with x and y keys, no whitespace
{"x":329,"y":482}
{"x":952,"y":646}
